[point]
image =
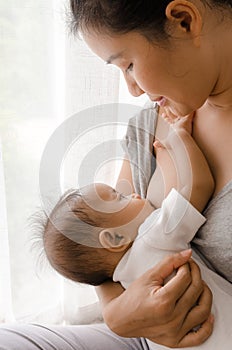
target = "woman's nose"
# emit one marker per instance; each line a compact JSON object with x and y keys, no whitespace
{"x":133,"y":87}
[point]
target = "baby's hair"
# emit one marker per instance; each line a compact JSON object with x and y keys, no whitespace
{"x":70,"y":239}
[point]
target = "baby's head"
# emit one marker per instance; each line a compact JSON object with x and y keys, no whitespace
{"x":90,"y":229}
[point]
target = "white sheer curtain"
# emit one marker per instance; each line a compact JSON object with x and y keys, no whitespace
{"x":46,"y":76}
{"x":5,"y":285}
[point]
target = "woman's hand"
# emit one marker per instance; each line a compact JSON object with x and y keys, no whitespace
{"x":166,"y":314}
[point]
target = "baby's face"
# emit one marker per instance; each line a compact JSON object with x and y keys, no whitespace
{"x":116,"y":209}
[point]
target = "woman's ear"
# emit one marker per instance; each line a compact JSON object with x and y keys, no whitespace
{"x":185,"y":17}
{"x":112,"y":241}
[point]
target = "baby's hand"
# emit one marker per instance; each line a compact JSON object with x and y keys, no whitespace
{"x":157,"y":144}
{"x":179,"y":123}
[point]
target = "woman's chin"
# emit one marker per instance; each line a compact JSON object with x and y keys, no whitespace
{"x":180,"y":110}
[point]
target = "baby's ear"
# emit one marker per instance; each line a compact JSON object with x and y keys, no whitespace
{"x":112,"y":241}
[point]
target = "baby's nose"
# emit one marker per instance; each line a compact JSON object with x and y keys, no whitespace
{"x":135,"y":196}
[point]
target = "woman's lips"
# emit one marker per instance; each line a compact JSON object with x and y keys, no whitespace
{"x":161,"y":101}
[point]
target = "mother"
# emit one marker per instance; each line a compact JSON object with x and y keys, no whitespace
{"x":179,"y":53}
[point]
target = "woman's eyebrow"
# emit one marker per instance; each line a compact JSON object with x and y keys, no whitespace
{"x":114,"y":57}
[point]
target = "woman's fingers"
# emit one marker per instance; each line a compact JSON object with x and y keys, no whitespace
{"x":168,"y":265}
{"x":192,"y":338}
{"x":200,"y":312}
{"x":198,"y":336}
{"x":179,"y":283}
{"x":199,"y":296}
{"x":192,"y":317}
{"x":195,"y":289}
{"x":169,"y":307}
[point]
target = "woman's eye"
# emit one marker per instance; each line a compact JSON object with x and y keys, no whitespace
{"x":122,"y":196}
{"x":130,"y":67}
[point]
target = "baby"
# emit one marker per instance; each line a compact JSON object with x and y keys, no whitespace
{"x":96,"y":233}
{"x":89,"y":219}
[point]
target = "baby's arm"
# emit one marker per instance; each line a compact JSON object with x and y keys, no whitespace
{"x":193,"y":176}
{"x":125,"y":182}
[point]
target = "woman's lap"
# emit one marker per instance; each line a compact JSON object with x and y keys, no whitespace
{"x":84,"y":337}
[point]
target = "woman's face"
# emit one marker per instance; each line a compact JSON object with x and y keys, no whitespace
{"x":177,"y":77}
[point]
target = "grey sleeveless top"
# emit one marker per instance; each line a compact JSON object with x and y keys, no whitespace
{"x":213,"y":242}
{"x":138,"y":146}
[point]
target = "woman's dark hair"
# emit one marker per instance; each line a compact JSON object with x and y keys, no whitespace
{"x":146,"y":17}
{"x":119,"y":16}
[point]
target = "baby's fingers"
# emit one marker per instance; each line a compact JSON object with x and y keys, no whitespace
{"x":169,"y":119}
{"x":170,"y":115}
{"x":157,"y":144}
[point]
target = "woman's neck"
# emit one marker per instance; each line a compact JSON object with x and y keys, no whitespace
{"x":212,"y":131}
{"x":221,"y":96}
